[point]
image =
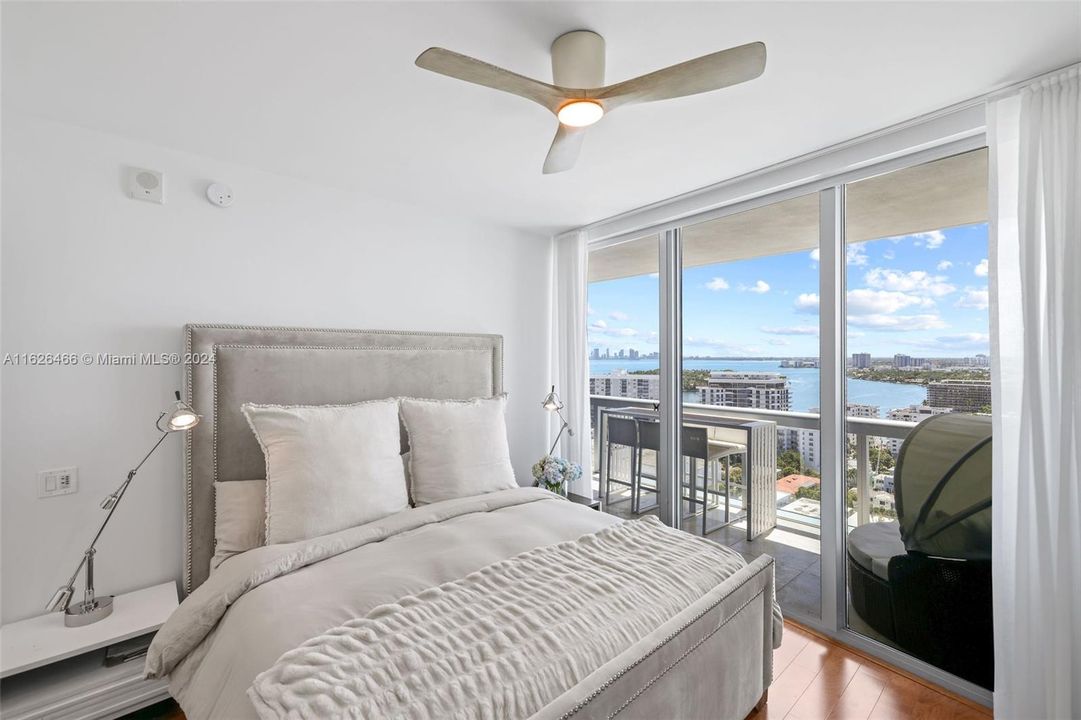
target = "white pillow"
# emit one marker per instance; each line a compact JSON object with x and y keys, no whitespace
{"x":239,"y":518}
{"x":329,"y":467}
{"x":457,"y":448}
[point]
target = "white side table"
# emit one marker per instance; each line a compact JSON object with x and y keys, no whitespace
{"x":52,"y":671}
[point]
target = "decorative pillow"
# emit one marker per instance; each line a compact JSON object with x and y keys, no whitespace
{"x":457,"y":448}
{"x":239,"y":518}
{"x":329,"y":467}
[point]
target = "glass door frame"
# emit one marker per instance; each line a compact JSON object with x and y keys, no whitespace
{"x":681,"y":212}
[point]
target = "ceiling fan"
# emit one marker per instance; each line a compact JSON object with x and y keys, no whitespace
{"x":579,"y":97}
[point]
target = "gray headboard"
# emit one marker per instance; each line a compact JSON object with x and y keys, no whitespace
{"x":229,"y":365}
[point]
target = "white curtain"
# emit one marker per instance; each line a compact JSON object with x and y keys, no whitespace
{"x":570,"y":364}
{"x":1035,"y":193}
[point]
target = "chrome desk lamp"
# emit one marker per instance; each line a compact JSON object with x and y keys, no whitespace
{"x":552,"y":403}
{"x":176,"y":418}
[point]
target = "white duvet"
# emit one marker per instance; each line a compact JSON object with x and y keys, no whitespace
{"x":301,"y":621}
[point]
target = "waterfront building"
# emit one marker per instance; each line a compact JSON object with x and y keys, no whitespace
{"x":960,"y":395}
{"x":624,"y":384}
{"x":764,"y":391}
{"x":861,"y":361}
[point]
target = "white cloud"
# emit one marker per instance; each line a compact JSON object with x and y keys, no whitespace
{"x":981,"y":269}
{"x":619,"y":315}
{"x":961,"y":341}
{"x":916,"y":281}
{"x":815,"y":255}
{"x":975,"y":298}
{"x":790,"y":330}
{"x":856,"y":254}
{"x":885,"y":321}
{"x":722,"y":346}
{"x":779,"y":341}
{"x":807,"y":302}
{"x":944,"y":265}
{"x":599,"y":324}
{"x":866,"y":302}
{"x":589,"y":309}
{"x":717,"y":283}
{"x":655,"y":275}
{"x":930,"y":240}
{"x":933,"y":239}
{"x":889,"y":255}
{"x":759,"y":287}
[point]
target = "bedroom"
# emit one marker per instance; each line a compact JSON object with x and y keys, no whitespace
{"x":746,"y":297}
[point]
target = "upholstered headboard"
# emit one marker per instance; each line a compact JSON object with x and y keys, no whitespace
{"x":229,"y":365}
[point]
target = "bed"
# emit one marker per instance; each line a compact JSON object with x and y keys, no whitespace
{"x":701,"y":649}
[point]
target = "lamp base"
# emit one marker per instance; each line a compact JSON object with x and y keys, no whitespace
{"x":83,"y":614}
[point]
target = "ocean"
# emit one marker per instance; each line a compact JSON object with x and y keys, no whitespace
{"x":803,"y":381}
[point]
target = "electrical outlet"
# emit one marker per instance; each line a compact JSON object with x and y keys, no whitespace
{"x":62,"y":481}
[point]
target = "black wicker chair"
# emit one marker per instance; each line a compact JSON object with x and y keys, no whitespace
{"x":924,"y":582}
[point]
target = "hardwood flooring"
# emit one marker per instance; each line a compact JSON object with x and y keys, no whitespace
{"x":817,"y":679}
{"x":814,"y":679}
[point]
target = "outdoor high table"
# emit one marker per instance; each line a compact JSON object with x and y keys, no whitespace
{"x":759,"y":462}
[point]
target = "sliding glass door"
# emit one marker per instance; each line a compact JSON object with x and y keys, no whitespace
{"x":823,"y":352}
{"x":750,"y":374}
{"x":918,"y":495}
{"x":624,"y":372}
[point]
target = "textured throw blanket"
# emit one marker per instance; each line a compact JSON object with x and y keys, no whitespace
{"x":503,"y":641}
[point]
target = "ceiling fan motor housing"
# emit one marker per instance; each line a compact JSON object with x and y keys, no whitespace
{"x":578,"y":60}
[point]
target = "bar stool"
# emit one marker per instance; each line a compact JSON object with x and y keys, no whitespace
{"x":695,"y":448}
{"x":624,"y":432}
{"x":720,"y":450}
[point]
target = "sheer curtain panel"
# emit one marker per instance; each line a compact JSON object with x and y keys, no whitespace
{"x":570,"y":363}
{"x":1035,"y":194}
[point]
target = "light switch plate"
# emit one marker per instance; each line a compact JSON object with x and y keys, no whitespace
{"x":61,"y":481}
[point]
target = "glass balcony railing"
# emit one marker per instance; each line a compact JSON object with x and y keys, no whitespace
{"x":869,"y":483}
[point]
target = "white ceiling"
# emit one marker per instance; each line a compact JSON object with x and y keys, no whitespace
{"x":329,"y":92}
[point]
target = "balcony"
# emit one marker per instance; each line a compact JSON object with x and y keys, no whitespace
{"x":795,"y":541}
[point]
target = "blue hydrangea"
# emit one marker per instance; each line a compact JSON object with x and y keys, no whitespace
{"x":553,"y":473}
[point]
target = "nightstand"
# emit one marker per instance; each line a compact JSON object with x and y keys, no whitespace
{"x":57,"y":672}
{"x":594,"y":503}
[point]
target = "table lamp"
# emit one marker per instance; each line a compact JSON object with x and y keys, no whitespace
{"x":552,"y":403}
{"x":178,"y":417}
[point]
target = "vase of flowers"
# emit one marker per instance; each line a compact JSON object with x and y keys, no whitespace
{"x":555,"y":473}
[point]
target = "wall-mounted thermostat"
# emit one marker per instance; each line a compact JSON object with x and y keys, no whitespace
{"x":219,"y":194}
{"x":146,"y":185}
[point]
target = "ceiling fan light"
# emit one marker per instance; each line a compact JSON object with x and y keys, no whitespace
{"x":580,"y":113}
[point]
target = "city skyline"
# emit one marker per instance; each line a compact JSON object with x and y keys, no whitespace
{"x":923,"y":294}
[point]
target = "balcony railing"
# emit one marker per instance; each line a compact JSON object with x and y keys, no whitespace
{"x":860,"y":428}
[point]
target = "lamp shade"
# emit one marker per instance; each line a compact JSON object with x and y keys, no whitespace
{"x":178,"y":417}
{"x":551,"y":401}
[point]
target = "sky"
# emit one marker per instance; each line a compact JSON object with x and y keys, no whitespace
{"x":923,"y":295}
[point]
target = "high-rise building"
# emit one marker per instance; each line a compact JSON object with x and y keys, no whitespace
{"x":960,"y":395}
{"x":806,"y":442}
{"x":764,"y":391}
{"x":861,"y":361}
{"x":912,"y":413}
{"x":860,"y":411}
{"x":624,"y":384}
{"x":907,"y":361}
{"x":632,"y":354}
{"x":596,"y":354}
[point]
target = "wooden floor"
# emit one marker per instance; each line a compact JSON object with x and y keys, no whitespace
{"x":815,"y":679}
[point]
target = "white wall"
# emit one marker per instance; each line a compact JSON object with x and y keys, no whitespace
{"x":86,"y":269}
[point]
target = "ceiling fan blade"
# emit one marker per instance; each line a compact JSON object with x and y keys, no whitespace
{"x":565,"y":148}
{"x":478,"y":72}
{"x":709,"y":72}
